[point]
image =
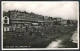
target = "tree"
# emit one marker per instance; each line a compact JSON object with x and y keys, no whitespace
{"x":68,"y":21}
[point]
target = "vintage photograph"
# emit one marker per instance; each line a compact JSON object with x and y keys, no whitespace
{"x":40,"y":25}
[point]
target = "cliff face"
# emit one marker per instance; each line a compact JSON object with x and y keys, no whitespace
{"x":74,"y":37}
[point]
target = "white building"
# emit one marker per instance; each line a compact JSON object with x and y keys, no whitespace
{"x":6,"y":24}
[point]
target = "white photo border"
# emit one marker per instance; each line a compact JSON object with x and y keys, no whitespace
{"x":36,"y":48}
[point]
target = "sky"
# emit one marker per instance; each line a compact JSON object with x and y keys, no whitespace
{"x":62,"y":9}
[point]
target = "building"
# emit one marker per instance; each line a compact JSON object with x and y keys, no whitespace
{"x":57,"y":21}
{"x":18,"y":20}
{"x":6,"y":26}
{"x":21,"y":21}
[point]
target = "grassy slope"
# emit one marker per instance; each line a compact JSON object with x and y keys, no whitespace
{"x":40,"y":41}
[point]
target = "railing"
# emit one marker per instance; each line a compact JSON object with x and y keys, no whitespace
{"x":17,"y":22}
{"x":18,"y":19}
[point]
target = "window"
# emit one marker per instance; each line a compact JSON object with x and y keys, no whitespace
{"x":5,"y":17}
{"x":6,"y":28}
{"x":5,"y":21}
{"x":12,"y":17}
{"x":16,"y":17}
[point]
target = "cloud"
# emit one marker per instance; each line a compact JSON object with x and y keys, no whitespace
{"x":65,"y":10}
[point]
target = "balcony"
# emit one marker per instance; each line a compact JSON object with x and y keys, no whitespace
{"x":17,"y":22}
{"x":18,"y":19}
